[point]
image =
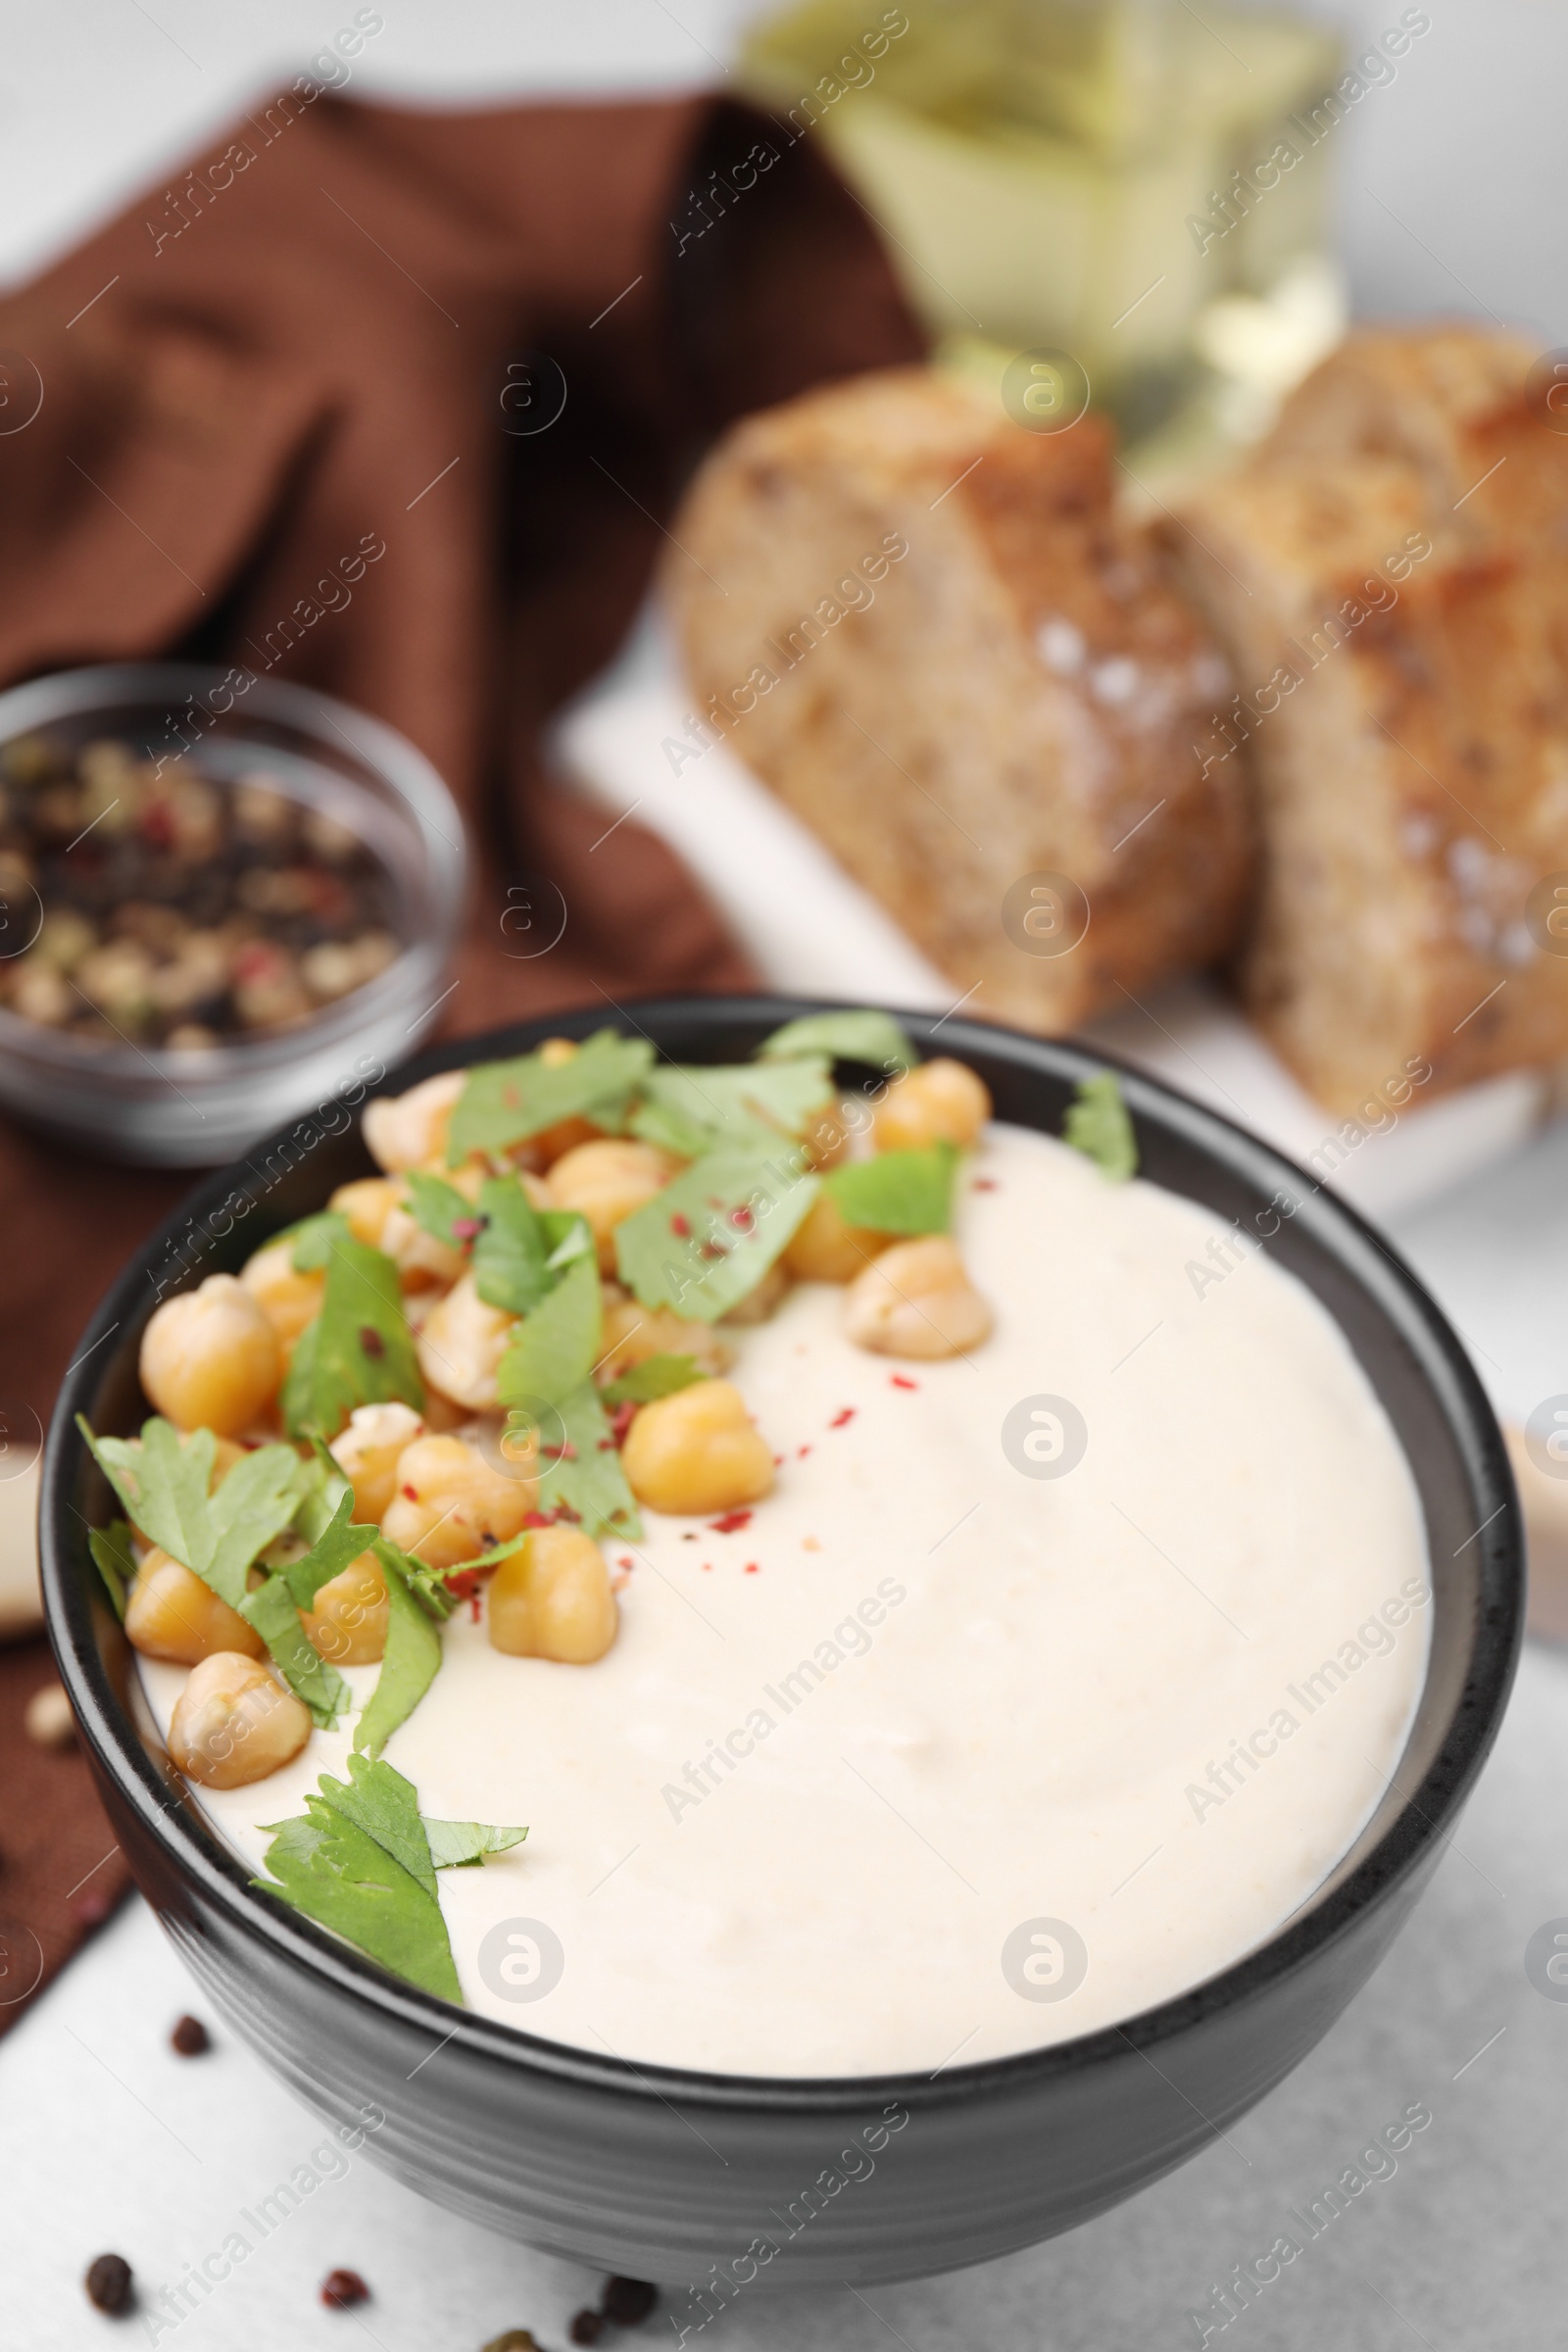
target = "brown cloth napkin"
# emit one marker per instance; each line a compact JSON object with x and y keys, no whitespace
{"x":312,"y":344}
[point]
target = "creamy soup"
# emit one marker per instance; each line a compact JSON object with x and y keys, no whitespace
{"x":1049,"y":1680}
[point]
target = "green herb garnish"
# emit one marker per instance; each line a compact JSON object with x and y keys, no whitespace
{"x":872,"y":1038}
{"x":274,"y":1613}
{"x":358,"y":1351}
{"x":580,"y":1472}
{"x":512,"y":1253}
{"x":412,"y":1658}
{"x":1099,"y":1126}
{"x":438,"y":1208}
{"x":706,"y":1239}
{"x":506,"y":1101}
{"x":690,"y":1111}
{"x":163,"y":1481}
{"x":313,"y":1238}
{"x":655,"y":1377}
{"x":114,"y":1561}
{"x":554,"y":1350}
{"x":898,"y":1191}
{"x":362,"y":1861}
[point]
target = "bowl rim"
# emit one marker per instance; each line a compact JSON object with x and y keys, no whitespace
{"x":399,"y":763}
{"x":1322,"y":1921}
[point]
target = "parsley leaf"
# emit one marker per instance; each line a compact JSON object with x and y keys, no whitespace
{"x":362,"y":1861}
{"x":655,"y":1377}
{"x":315,"y":1236}
{"x":872,"y":1038}
{"x":709,"y":1238}
{"x":274,"y":1612}
{"x":385,"y":1805}
{"x":338,"y":1543}
{"x":114,"y":1561}
{"x":506,"y":1101}
{"x":583,"y":1479}
{"x":412,"y":1658}
{"x":553,"y":1349}
{"x":461,"y":1845}
{"x":337,"y":1873}
{"x":1097,"y":1126}
{"x":437,"y":1206}
{"x":163,"y":1484}
{"x":691,"y":1111}
{"x":567,"y":1235}
{"x":898,"y":1191}
{"x":511,"y":1256}
{"x":358,"y":1351}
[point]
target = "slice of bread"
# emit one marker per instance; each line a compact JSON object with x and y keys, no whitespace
{"x":928,"y":631}
{"x":1458,"y":403}
{"x":1403,"y":713}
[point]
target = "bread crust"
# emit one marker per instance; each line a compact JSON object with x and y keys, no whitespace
{"x":963,"y":670}
{"x":1404,"y":714}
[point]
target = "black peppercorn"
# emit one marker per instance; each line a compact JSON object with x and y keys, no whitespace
{"x":109,"y":2283}
{"x":627,"y":2302}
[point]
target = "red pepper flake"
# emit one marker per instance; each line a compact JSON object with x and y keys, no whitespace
{"x":473,"y":1606}
{"x":536,"y":1519}
{"x":742,"y":1217}
{"x":986,"y":1184}
{"x":620,"y":1421}
{"x":412,"y":1494}
{"x":731,"y":1521}
{"x":157,"y":824}
{"x":464,"y":1585}
{"x":510,"y":1097}
{"x":681,"y":1225}
{"x":750,"y":1568}
{"x":841,"y":1420}
{"x":801,"y":1453}
{"x":469,"y":1229}
{"x":561,"y":1454}
{"x":626,"y":1563}
{"x":899,"y":1381}
{"x":712,"y":1250}
{"x":370,"y":1341}
{"x":707,"y":1565}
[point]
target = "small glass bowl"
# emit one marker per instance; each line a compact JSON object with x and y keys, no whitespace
{"x":199,"y":1107}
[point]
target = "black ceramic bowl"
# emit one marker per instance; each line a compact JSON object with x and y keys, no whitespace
{"x":663,"y":2173}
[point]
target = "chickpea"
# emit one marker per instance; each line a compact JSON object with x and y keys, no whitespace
{"x":169,"y":1613}
{"x":632,"y":1333}
{"x":606,"y":1181}
{"x":552,"y":1600}
{"x":234,"y":1723}
{"x":764,"y":1301}
{"x":422,"y":1259}
{"x":288,"y":1300}
{"x":461,"y":1344}
{"x":696,"y":1451}
{"x":824,"y":1249}
{"x":210,"y":1358}
{"x":367,"y":1453}
{"x":348,"y":1624}
{"x":827,"y":1137}
{"x":451,"y":1503}
{"x":916,"y":1300}
{"x":366,"y":1204}
{"x":937,"y":1102}
{"x":409,"y":1131}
